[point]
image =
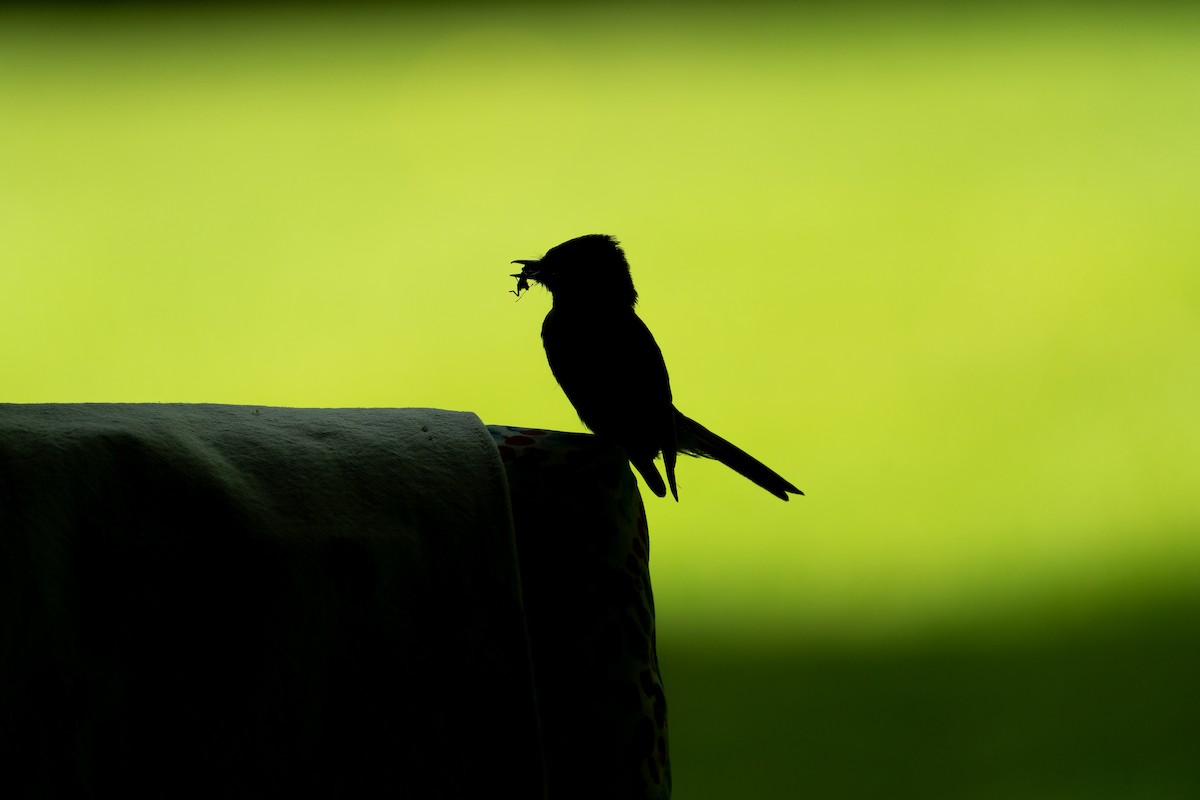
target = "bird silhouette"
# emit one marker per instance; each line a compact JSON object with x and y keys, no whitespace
{"x":611,"y":369}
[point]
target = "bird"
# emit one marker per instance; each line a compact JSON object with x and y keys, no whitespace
{"x":611,"y":369}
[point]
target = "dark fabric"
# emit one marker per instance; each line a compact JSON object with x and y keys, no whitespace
{"x":225,"y":601}
{"x":584,"y":551}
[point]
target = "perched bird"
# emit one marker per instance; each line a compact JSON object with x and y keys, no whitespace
{"x":606,"y":360}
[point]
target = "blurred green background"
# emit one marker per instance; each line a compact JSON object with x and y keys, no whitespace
{"x":940,"y":268}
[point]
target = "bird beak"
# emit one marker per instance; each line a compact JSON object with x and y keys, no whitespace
{"x":529,"y":272}
{"x":529,"y":268}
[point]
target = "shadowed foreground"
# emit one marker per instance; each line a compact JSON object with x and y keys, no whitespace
{"x":1101,"y":710}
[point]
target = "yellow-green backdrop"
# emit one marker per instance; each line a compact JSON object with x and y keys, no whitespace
{"x":940,"y":268}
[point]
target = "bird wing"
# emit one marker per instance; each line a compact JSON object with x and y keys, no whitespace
{"x":613,"y":372}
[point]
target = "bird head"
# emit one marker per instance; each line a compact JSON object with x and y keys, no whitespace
{"x":589,"y":270}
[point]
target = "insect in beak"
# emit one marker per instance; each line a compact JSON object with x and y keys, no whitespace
{"x":529,"y":271}
{"x":522,"y":285}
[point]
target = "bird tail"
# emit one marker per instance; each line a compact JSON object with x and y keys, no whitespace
{"x":696,"y":440}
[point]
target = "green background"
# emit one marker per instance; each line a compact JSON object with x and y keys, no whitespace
{"x":939,"y":268}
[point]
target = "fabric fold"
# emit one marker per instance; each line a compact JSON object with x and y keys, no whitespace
{"x":240,"y":600}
